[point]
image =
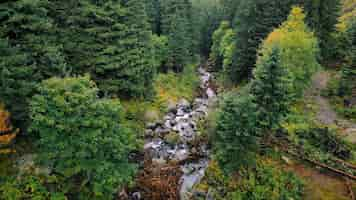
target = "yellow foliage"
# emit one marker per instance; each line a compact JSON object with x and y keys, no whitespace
{"x":298,"y":46}
{"x":7,"y":133}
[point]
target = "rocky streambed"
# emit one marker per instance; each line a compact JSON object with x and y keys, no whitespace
{"x":171,"y":139}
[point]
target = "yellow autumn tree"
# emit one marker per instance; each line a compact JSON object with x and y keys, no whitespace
{"x":298,"y":48}
{"x":7,"y":132}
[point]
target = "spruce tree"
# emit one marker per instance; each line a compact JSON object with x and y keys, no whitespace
{"x":322,"y":16}
{"x":111,"y":40}
{"x":298,"y":48}
{"x":153,"y":12}
{"x":235,"y":141}
{"x":176,"y":25}
{"x":253,"y":22}
{"x":271,"y":89}
{"x":29,"y":53}
{"x":216,"y":50}
{"x":348,"y":76}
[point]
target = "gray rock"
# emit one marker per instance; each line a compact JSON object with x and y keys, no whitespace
{"x":149,"y":133}
{"x":183,"y":103}
{"x":181,"y":155}
{"x":210,"y":93}
{"x":136,"y":196}
{"x":151,"y":125}
{"x":180,"y":112}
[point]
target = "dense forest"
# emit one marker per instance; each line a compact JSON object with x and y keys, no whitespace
{"x":178,"y":99}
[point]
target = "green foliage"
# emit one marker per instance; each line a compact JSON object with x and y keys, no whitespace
{"x":27,"y":187}
{"x":234,"y":142}
{"x":207,"y":15}
{"x":171,"y":87}
{"x":326,"y":140}
{"x":28,"y":53}
{"x":253,"y":22}
{"x":153,"y":11}
{"x":223,"y":50}
{"x":82,"y":137}
{"x":267,"y":182}
{"x":230,"y":8}
{"x":109,"y":39}
{"x":348,"y":76}
{"x":272,"y":89}
{"x":322,"y":16}
{"x":298,"y":49}
{"x":176,"y":24}
{"x":216,"y":49}
{"x":160,"y":50}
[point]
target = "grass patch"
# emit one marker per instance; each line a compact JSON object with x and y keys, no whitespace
{"x":171,"y":87}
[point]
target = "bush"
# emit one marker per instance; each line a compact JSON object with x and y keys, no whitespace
{"x":82,"y":137}
{"x":27,"y":187}
{"x":267,"y":182}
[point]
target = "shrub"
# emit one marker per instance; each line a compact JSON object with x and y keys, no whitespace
{"x":267,"y":182}
{"x":27,"y":187}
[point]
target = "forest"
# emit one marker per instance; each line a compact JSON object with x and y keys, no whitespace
{"x":178,"y":100}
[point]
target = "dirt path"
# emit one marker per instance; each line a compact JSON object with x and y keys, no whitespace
{"x":326,"y":113}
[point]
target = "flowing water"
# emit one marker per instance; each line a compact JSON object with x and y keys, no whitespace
{"x":181,"y":124}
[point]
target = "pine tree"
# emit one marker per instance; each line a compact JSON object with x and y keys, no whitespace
{"x":272,"y":89}
{"x":29,"y":53}
{"x":153,"y":12}
{"x":216,"y":50}
{"x":234,"y":141}
{"x":298,"y":49}
{"x":348,"y":77}
{"x":322,"y":16}
{"x":111,"y":40}
{"x":230,"y":8}
{"x":176,"y":25}
{"x":253,"y":22}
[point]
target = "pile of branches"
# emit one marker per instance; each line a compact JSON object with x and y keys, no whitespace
{"x":159,"y":181}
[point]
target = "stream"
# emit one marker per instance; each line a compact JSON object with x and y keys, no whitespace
{"x":171,"y":138}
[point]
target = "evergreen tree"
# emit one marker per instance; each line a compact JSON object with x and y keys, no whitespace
{"x":177,"y":26}
{"x":348,"y":77}
{"x":111,"y":40}
{"x":235,"y":142}
{"x":208,"y":15}
{"x":154,"y":14}
{"x":216,"y":54}
{"x":230,"y":8}
{"x":29,"y":53}
{"x":272,"y":89}
{"x":81,"y":138}
{"x":298,"y":49}
{"x":253,"y":22}
{"x":322,"y":16}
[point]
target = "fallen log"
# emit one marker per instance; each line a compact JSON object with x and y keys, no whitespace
{"x":337,"y":171}
{"x":345,"y":163}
